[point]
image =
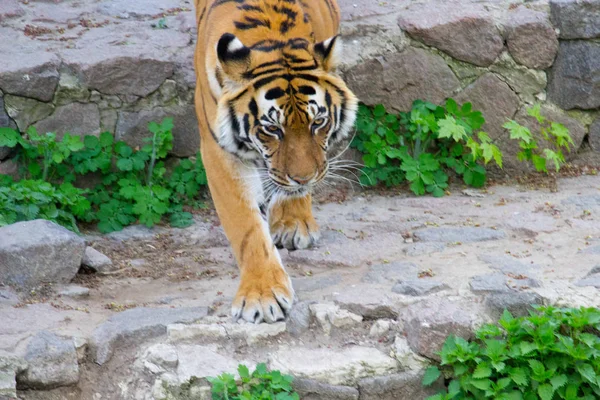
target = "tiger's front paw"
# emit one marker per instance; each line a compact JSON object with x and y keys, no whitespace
{"x":295,"y":233}
{"x":263,"y":295}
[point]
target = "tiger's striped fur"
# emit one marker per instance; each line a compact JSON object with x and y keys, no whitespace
{"x":269,"y":104}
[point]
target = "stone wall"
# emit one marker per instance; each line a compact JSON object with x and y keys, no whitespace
{"x":89,"y":66}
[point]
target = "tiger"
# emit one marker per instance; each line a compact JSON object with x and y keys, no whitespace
{"x":270,"y":104}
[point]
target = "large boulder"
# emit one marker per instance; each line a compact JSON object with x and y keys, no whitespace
{"x":52,"y":362}
{"x":39,"y":251}
{"x":30,"y":76}
{"x":467,"y":34}
{"x":396,"y":80}
{"x":25,"y":111}
{"x":531,"y":39}
{"x":574,"y":77}
{"x":594,"y":136}
{"x":576,"y":19}
{"x":75,"y":118}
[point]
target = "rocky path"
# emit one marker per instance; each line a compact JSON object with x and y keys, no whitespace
{"x":390,"y":279}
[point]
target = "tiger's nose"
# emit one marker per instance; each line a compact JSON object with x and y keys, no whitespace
{"x":301,"y":180}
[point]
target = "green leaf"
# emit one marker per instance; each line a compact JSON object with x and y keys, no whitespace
{"x":587,"y":372}
{"x":546,"y":392}
{"x":519,"y":376}
{"x":125,"y":164}
{"x":528,"y":347}
{"x":539,"y":163}
{"x":558,"y":381}
{"x":483,"y":370}
{"x":431,"y":375}
{"x":482,"y":384}
{"x":518,"y":132}
{"x":417,"y":187}
{"x":449,"y":128}
{"x":379,"y":111}
{"x":9,"y":137}
{"x":535,"y":112}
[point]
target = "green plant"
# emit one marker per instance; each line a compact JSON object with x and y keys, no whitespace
{"x":556,"y":137}
{"x":552,"y":354}
{"x":419,"y":146}
{"x":134,"y":184}
{"x":260,"y":385}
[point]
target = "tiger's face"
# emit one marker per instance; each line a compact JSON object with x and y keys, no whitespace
{"x":284,"y":111}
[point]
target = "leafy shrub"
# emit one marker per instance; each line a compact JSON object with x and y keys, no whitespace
{"x":419,"y":146}
{"x":556,"y":135}
{"x":260,"y":385}
{"x":133,"y":184}
{"x":552,"y":354}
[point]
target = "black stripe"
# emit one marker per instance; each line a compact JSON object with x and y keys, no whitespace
{"x":265,"y":72}
{"x":286,"y":26}
{"x":201,"y":16}
{"x":235,"y":124}
{"x":243,"y":92}
{"x":309,"y":90}
{"x":274,"y":93}
{"x":250,"y":7}
{"x":247,"y":125}
{"x":330,"y":7}
{"x":327,"y":99}
{"x":251,"y":23}
{"x":253,"y":107}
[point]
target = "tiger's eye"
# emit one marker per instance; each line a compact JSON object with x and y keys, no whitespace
{"x":272,"y":128}
{"x":319,"y":121}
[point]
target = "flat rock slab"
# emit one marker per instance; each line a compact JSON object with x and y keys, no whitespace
{"x":336,"y":367}
{"x":391,"y":272}
{"x":419,"y":287}
{"x":310,"y":389}
{"x":509,"y":265}
{"x":138,"y":324}
{"x":388,"y":387}
{"x":583,"y":202}
{"x":518,"y":304}
{"x":311,"y":284}
{"x":455,"y":235}
{"x":39,"y":251}
{"x":204,"y":361}
{"x":500,"y":283}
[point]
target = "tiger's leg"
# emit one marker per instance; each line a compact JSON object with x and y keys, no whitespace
{"x":265,"y":291}
{"x":292,"y":223}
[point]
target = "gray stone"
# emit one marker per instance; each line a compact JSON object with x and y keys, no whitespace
{"x":97,"y":261}
{"x":137,"y":8}
{"x":467,"y":34}
{"x":500,"y":283}
{"x":123,"y":75}
{"x":74,"y":291}
{"x":133,"y":232}
{"x":594,"y":135}
{"x":574,"y":78}
{"x":429,"y":323}
{"x":531,"y":39}
{"x":34,"y":77}
{"x":423,"y":249}
{"x":70,"y":89}
{"x":26,"y":111}
{"x":39,"y":251}
{"x":527,"y":83}
{"x":310,"y":389}
{"x":391,"y":272}
{"x":593,"y":277}
{"x":396,"y":80}
{"x":583,"y":202}
{"x":137,"y":325}
{"x":576,"y":19}
{"x":518,"y":304}
{"x":310,"y":284}
{"x":371,"y":303}
{"x":10,"y":9}
{"x":75,"y":118}
{"x":298,"y":320}
{"x":419,"y":287}
{"x":494,"y":98}
{"x":10,"y":367}
{"x":132,"y":127}
{"x":508,"y":265}
{"x":9,"y":167}
{"x":52,"y":362}
{"x":408,"y":384}
{"x":462,"y":235}
{"x":8,"y":297}
{"x":343,"y":366}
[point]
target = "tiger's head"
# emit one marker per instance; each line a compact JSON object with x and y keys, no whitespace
{"x":282,"y":103}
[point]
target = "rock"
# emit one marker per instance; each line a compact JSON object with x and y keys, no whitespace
{"x":5,"y":121}
{"x":328,"y":315}
{"x":500,"y":283}
{"x":10,"y":9}
{"x":531,"y":224}
{"x":593,"y":277}
{"x":161,"y":357}
{"x":299,"y":318}
{"x":74,"y":291}
{"x":574,"y":81}
{"x":255,"y":333}
{"x":39,"y":251}
{"x":419,"y":287}
{"x":531,"y":39}
{"x":391,"y":272}
{"x":396,"y":80}
{"x":422,"y":249}
{"x":468,"y":34}
{"x":509,"y":265}
{"x":26,"y":112}
{"x":463,"y":235}
{"x":70,"y":89}
{"x":389,"y":387}
{"x":249,"y":332}
{"x":52,"y":362}
{"x":183,"y":332}
{"x":576,"y":19}
{"x":137,"y":8}
{"x":518,"y":304}
{"x":310,"y":284}
{"x":370,"y":303}
{"x":494,"y":99}
{"x":132,"y":127}
{"x":8,"y":297}
{"x":333,"y":366}
{"x":9,"y":167}
{"x":527,"y":83}
{"x":204,"y":361}
{"x":583,"y":202}
{"x":132,"y":232}
{"x":75,"y":118}
{"x":429,"y":323}
{"x":409,"y":361}
{"x":594,"y":135}
{"x":309,"y":389}
{"x":33,"y":77}
{"x":121,"y":74}
{"x":137,"y":324}
{"x":10,"y":367}
{"x":380,"y":328}
{"x":96,"y":261}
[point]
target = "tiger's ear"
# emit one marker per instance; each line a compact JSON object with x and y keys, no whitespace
{"x":328,"y":53}
{"x":234,"y":57}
